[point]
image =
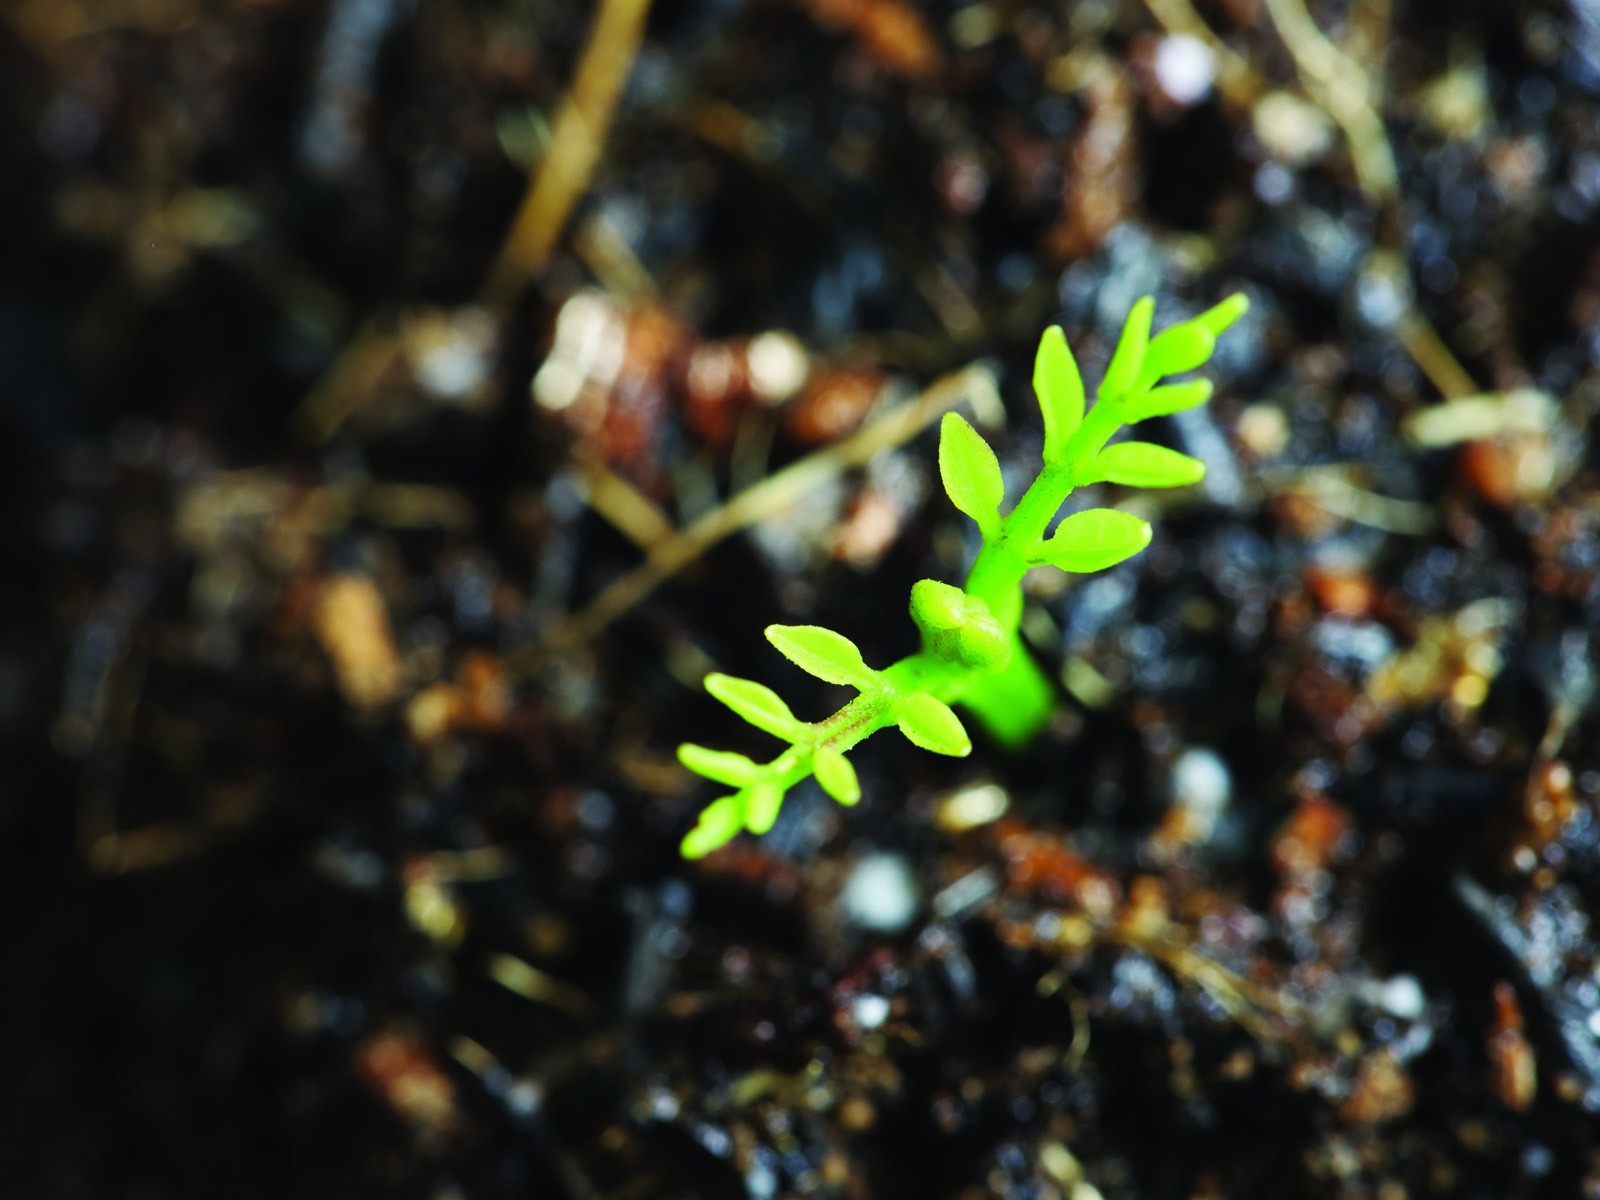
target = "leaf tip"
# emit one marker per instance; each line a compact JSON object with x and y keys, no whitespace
{"x":718,"y":825}
{"x":761,"y":807}
{"x":1220,"y":317}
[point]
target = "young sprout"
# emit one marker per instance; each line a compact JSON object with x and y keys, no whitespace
{"x":971,"y":654}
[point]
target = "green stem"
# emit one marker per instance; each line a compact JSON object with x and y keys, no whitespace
{"x":997,"y":572}
{"x":1016,"y":702}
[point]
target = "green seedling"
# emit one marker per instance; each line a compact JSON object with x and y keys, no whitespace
{"x":971,"y":653}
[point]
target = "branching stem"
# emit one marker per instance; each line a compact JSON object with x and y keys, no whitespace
{"x":972,"y":653}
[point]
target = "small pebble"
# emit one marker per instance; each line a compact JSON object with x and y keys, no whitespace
{"x":881,"y":894}
{"x":1185,"y":68}
{"x":1202,"y":784}
{"x":870,"y":1010}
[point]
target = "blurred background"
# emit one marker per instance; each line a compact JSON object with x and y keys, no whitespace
{"x":375,"y":378}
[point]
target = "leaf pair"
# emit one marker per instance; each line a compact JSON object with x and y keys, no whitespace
{"x":829,"y":656}
{"x":761,"y":789}
{"x":754,"y":808}
{"x":1138,"y":362}
{"x":832,"y":768}
{"x":925,"y":720}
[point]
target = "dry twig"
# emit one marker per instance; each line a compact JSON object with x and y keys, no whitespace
{"x":578,"y":135}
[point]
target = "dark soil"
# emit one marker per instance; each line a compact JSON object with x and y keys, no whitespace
{"x":336,"y":864}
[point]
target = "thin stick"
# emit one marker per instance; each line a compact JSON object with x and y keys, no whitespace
{"x":1249,"y":1003}
{"x":1346,"y":92}
{"x":1350,"y":93}
{"x":1429,"y":352}
{"x":577,"y":137}
{"x":629,"y":511}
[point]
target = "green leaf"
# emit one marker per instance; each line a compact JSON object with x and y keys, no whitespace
{"x":1217,"y":319}
{"x":1094,"y":540}
{"x":719,"y":824}
{"x":722,"y":766}
{"x":1174,"y":351}
{"x":1164,"y":401}
{"x":756,"y":703}
{"x":971,"y":473}
{"x":1129,"y":357}
{"x":1142,"y":464}
{"x":1059,"y":387}
{"x":928,"y":722}
{"x":836,"y":775}
{"x":761,"y":805}
{"x":829,"y":656}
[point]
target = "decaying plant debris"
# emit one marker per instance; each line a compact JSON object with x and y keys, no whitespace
{"x":405,"y":405}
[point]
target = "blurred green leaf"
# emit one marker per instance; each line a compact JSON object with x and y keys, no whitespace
{"x":1164,"y":401}
{"x":722,"y":766}
{"x":836,"y":775}
{"x":761,"y":804}
{"x":1217,"y":319}
{"x":719,"y":824}
{"x":1174,"y":351}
